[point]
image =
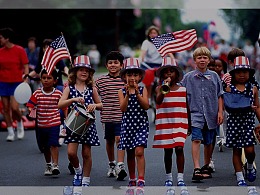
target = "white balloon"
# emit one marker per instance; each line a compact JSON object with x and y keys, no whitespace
{"x":22,"y":93}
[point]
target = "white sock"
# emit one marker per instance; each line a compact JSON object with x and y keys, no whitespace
{"x":78,"y":170}
{"x":169,"y":176}
{"x":20,"y":124}
{"x":86,"y":180}
{"x":250,"y":166}
{"x":120,"y":163}
{"x":10,"y":130}
{"x":180,"y":177}
{"x":239,"y":176}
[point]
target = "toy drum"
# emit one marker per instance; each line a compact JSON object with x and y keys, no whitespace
{"x":79,"y":120}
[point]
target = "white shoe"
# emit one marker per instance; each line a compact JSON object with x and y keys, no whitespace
{"x":120,"y":172}
{"x":20,"y":132}
{"x":48,"y":170}
{"x":212,"y":166}
{"x":10,"y":137}
{"x":111,"y":170}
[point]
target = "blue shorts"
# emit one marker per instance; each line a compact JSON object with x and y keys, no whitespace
{"x":112,"y":130}
{"x":7,"y":89}
{"x":49,"y":136}
{"x":205,"y":135}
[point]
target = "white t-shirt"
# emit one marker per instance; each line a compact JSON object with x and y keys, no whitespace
{"x":152,"y":54}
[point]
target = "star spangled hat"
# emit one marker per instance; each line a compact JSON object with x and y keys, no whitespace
{"x":169,"y":63}
{"x":82,"y":61}
{"x":242,"y":62}
{"x":131,"y":64}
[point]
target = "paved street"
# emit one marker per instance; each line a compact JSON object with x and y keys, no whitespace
{"x":22,"y":167}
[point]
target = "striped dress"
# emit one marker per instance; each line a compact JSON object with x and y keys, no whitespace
{"x":171,"y":120}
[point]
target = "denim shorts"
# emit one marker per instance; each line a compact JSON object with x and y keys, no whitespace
{"x":205,"y":135}
{"x":49,"y":136}
{"x":112,"y":130}
{"x":7,"y":89}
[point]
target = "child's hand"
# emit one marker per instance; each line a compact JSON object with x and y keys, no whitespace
{"x":79,"y":100}
{"x":91,"y":107}
{"x":189,"y":131}
{"x":168,"y":80}
{"x":253,"y":107}
{"x":127,"y":88}
{"x":136,"y":88}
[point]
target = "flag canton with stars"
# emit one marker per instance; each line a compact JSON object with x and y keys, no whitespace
{"x":58,"y":43}
{"x":162,"y":39}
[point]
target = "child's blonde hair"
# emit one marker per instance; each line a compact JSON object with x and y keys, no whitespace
{"x":201,"y":51}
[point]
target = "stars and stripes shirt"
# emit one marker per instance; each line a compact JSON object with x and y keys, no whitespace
{"x":48,"y":114}
{"x":108,"y":87}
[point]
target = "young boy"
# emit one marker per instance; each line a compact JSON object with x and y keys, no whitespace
{"x":44,"y":101}
{"x":204,"y":90}
{"x":111,"y":115}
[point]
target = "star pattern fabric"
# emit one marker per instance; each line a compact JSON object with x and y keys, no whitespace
{"x":240,"y":126}
{"x":91,"y":136}
{"x":135,"y":125}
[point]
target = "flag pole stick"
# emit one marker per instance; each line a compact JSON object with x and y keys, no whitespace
{"x":67,"y":49}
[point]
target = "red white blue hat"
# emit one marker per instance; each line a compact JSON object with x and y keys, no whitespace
{"x":82,"y":61}
{"x":169,"y":63}
{"x":242,"y":62}
{"x":131,"y":64}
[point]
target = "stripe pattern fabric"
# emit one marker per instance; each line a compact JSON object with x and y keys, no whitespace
{"x":171,"y":120}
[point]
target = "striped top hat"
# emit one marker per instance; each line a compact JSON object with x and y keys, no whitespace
{"x":169,"y":63}
{"x":242,"y":62}
{"x":131,"y":64}
{"x":82,"y":61}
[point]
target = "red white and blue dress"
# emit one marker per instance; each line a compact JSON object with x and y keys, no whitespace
{"x":135,"y":124}
{"x":171,"y":120}
{"x":91,"y":136}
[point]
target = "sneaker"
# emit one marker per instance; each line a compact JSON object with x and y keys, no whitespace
{"x":20,"y":132}
{"x":168,"y":183}
{"x":10,"y":137}
{"x":252,"y":191}
{"x":241,"y":183}
{"x":212,"y":166}
{"x":77,"y":180}
{"x":181,"y":183}
{"x":140,"y":183}
{"x":120,"y":172}
{"x":130,"y":191}
{"x":48,"y":170}
{"x":132,"y":183}
{"x":251,"y":174}
{"x":111,"y":170}
{"x":55,"y":170}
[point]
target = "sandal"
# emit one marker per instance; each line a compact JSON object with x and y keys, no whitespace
{"x":206,"y":172}
{"x":197,"y":175}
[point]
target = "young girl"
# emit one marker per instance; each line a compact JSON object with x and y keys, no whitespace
{"x":80,"y":92}
{"x":240,"y":126}
{"x":172,"y":118}
{"x":134,"y":104}
{"x":44,"y":101}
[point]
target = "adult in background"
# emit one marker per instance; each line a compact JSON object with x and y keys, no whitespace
{"x":13,"y":64}
{"x":150,"y":58}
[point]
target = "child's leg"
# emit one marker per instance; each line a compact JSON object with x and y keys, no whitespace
{"x":131,"y":163}
{"x":168,"y":166}
{"x":250,"y":156}
{"x":140,"y":160}
{"x":54,"y":154}
{"x":180,"y":160}
{"x":72,"y":149}
{"x":87,"y":164}
{"x":237,"y":163}
{"x":47,"y":155}
{"x":196,"y":153}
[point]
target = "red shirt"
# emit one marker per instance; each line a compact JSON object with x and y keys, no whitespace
{"x":12,"y":61}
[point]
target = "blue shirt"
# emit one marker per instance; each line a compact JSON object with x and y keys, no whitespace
{"x":203,"y":91}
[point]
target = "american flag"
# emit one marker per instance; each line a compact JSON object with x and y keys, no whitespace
{"x":56,"y":51}
{"x":175,"y":42}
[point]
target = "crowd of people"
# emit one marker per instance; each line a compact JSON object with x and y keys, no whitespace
{"x":192,"y":105}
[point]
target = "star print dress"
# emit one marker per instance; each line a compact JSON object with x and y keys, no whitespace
{"x":91,"y":136}
{"x":135,"y":124}
{"x":240,"y":126}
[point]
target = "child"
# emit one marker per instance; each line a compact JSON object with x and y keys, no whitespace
{"x":240,"y":126}
{"x":44,"y":101}
{"x":108,"y":86}
{"x":204,"y":91}
{"x":134,"y":104}
{"x":80,"y":91}
{"x":172,"y":119}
